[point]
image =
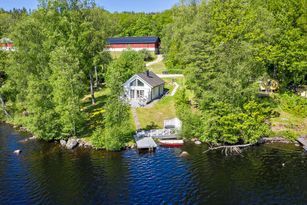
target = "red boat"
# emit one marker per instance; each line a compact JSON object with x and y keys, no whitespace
{"x":171,"y":143}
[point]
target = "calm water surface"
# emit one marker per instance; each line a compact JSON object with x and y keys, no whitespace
{"x":45,"y":173}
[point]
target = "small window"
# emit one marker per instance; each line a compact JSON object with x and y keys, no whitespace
{"x":133,"y":83}
{"x":140,"y":93}
{"x":140,"y":83}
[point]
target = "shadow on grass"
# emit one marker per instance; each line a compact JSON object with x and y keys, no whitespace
{"x":151,"y":126}
{"x":94,"y":113}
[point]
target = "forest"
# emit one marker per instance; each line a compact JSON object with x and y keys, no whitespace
{"x":223,"y":48}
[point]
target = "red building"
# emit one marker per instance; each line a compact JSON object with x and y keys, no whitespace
{"x":6,"y":44}
{"x":134,"y":43}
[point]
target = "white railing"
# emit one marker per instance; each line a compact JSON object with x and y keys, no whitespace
{"x":158,"y":133}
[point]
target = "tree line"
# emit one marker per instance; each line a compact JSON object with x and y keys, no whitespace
{"x":225,"y":48}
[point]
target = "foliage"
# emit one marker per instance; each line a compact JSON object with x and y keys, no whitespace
{"x":147,"y":55}
{"x":120,"y":70}
{"x":225,"y":123}
{"x":173,"y":34}
{"x":275,"y":30}
{"x":58,"y":46}
{"x":118,"y":129}
{"x":191,"y":124}
{"x":219,"y":55}
{"x":293,"y":104}
{"x":67,"y":90}
{"x":140,"y":24}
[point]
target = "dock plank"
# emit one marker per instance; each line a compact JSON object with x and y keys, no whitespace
{"x":145,"y":142}
{"x":303,"y":141}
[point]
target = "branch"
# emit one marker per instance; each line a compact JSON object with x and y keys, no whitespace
{"x":230,"y":148}
{"x":3,"y":107}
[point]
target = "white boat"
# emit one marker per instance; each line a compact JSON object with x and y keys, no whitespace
{"x":171,"y":143}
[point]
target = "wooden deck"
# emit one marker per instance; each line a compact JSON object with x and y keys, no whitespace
{"x":145,"y":138}
{"x":303,"y":141}
{"x":145,"y":142}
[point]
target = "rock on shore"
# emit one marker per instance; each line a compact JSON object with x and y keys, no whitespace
{"x":63,"y":142}
{"x":71,"y":143}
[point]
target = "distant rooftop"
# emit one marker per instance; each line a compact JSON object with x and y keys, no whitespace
{"x":130,"y":40}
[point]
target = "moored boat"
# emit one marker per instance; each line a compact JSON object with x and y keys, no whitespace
{"x":171,"y":143}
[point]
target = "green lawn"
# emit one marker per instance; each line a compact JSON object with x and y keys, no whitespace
{"x":153,"y":117}
{"x":158,"y":68}
{"x":115,"y":54}
{"x":288,"y":124}
{"x":94,"y":113}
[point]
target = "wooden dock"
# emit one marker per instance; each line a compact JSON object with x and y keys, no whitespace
{"x":303,"y":141}
{"x":145,"y":142}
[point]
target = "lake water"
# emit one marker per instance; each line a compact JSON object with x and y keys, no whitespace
{"x":45,"y":173}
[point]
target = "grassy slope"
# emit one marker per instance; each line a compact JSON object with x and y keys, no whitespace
{"x":154,"y":116}
{"x":288,"y":123}
{"x":158,"y":68}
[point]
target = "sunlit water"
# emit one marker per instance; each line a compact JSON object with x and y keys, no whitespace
{"x":45,"y":173}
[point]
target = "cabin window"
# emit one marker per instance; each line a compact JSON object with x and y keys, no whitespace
{"x":133,"y":83}
{"x":140,"y":93}
{"x":140,"y":83}
{"x":131,"y":93}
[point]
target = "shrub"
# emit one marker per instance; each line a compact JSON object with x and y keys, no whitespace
{"x":147,"y":55}
{"x":293,"y":104}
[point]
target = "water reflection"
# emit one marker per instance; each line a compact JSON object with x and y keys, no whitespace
{"x":47,"y":174}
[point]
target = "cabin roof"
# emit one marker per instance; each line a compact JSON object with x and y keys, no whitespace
{"x":130,"y":40}
{"x":151,"y":78}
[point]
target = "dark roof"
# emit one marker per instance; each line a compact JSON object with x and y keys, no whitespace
{"x":129,"y":40}
{"x":151,"y":78}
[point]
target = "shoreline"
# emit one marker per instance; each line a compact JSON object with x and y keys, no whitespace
{"x":74,"y":142}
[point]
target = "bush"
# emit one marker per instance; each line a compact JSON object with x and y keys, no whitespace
{"x":112,"y":138}
{"x":118,"y":128}
{"x":227,"y":124}
{"x":147,"y":55}
{"x":293,"y":104}
{"x":174,"y":71}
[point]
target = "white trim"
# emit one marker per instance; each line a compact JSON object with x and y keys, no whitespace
{"x":127,"y":83}
{"x":130,"y":48}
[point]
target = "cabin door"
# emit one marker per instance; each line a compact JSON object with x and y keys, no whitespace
{"x":140,"y":93}
{"x":132,"y":94}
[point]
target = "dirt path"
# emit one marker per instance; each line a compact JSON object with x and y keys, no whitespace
{"x":158,"y":60}
{"x":170,"y":75}
{"x":136,"y":119}
{"x":175,"y":89}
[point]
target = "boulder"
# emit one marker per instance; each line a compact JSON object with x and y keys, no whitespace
{"x":63,"y":142}
{"x":261,"y":141}
{"x":18,"y":151}
{"x":23,"y":129}
{"x":88,"y":144}
{"x":33,"y":138}
{"x":81,"y":144}
{"x":197,"y":142}
{"x":184,"y":154}
{"x":71,"y":143}
{"x":24,"y":140}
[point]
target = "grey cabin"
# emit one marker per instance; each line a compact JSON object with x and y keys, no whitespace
{"x":142,"y":88}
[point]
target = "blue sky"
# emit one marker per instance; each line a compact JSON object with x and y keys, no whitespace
{"x":110,"y":5}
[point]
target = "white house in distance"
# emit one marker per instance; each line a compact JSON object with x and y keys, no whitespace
{"x":142,"y":88}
